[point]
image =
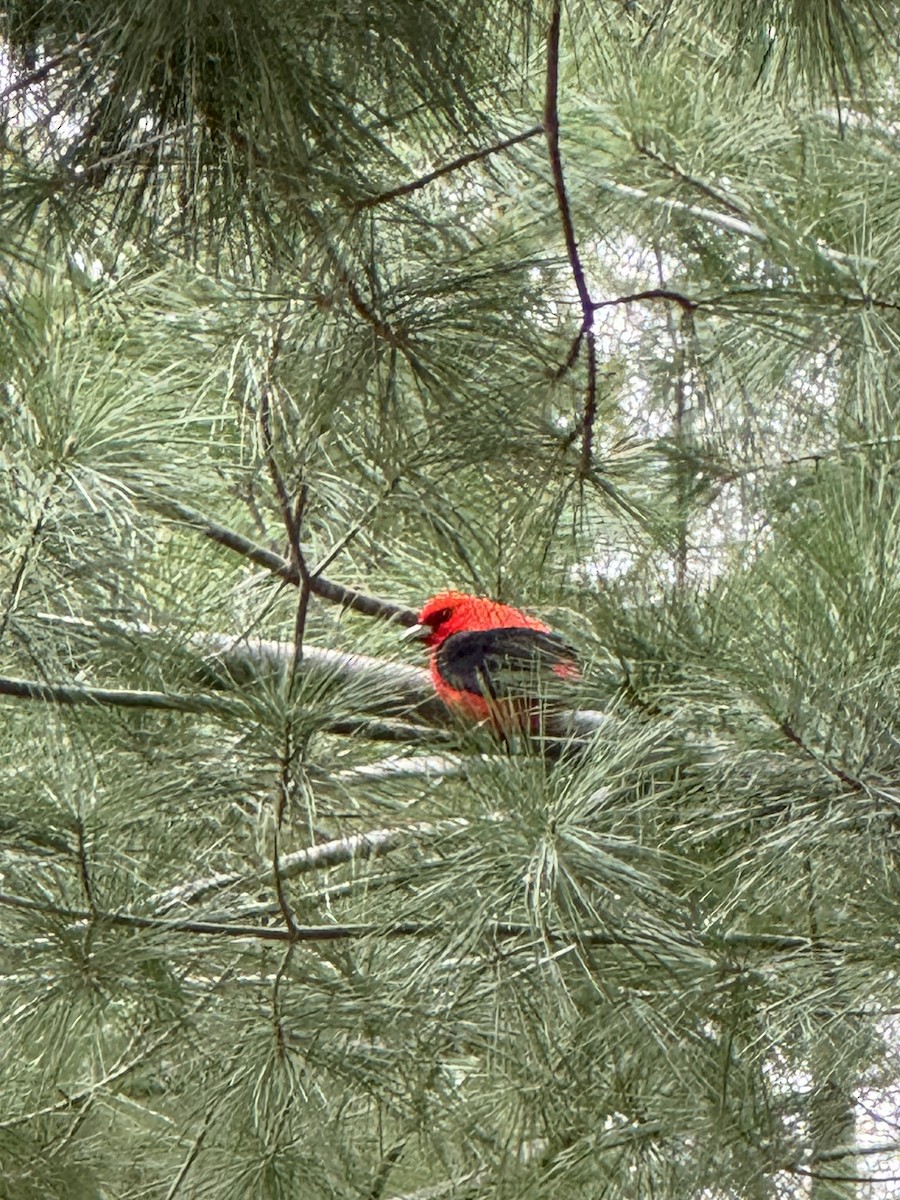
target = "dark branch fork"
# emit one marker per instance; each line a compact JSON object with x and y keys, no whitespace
{"x":589,"y":307}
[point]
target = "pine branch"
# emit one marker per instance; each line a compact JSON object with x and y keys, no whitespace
{"x":360,"y":846}
{"x":39,"y":74}
{"x":292,"y":517}
{"x":692,"y":182}
{"x":830,"y":1177}
{"x":724,"y":221}
{"x":385,"y":688}
{"x":855,"y":785}
{"x":125,"y":1063}
{"x":52,"y":693}
{"x":273,"y":933}
{"x":499,"y":930}
{"x":659,"y":293}
{"x":68,"y":694}
{"x":406,"y":189}
{"x":856,"y":1151}
{"x":192,"y":1154}
{"x":551,"y":128}
{"x":325,"y":589}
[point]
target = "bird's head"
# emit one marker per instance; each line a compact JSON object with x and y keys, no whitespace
{"x":450,"y":612}
{"x":441,"y":616}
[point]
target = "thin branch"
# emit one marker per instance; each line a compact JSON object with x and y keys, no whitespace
{"x":590,"y":407}
{"x":856,"y":1151}
{"x":292,"y":518}
{"x":282,"y":797}
{"x":57,"y":693}
{"x":24,"y":82}
{"x":273,"y":933}
{"x":828,"y":1177}
{"x":66,"y":694}
{"x":659,"y":293}
{"x":84,"y":867}
{"x":192,"y":1154}
{"x":341,"y":544}
{"x":382,"y":328}
{"x":356,"y":847}
{"x":268,"y":449}
{"x":427,"y":766}
{"x":388,"y":1162}
{"x":792,"y":735}
{"x":18,"y":576}
{"x":724,"y":221}
{"x":415,"y":185}
{"x":691,"y":181}
{"x":325,"y":589}
{"x":572,"y":357}
{"x":392,"y":732}
{"x":709,"y":215}
{"x":551,"y":128}
{"x":496,"y":930}
{"x":458,"y":1187}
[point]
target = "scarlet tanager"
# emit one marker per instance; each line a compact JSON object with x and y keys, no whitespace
{"x":491,"y":661}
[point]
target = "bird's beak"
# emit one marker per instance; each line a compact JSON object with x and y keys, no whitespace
{"x":415,"y":633}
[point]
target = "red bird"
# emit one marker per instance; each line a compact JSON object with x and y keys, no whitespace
{"x":491,"y":661}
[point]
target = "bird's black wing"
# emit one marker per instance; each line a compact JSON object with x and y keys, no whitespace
{"x":505,"y":663}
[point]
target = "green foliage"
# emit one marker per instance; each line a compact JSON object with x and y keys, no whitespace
{"x":268,"y":926}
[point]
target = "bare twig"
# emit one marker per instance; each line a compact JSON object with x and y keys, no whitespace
{"x":39,"y":74}
{"x":383,"y":329}
{"x":691,"y":181}
{"x":391,"y":1157}
{"x":341,"y":544}
{"x":551,"y":128}
{"x":292,"y":517}
{"x":325,"y":589}
{"x":829,"y":1177}
{"x":659,"y":293}
{"x":415,"y":185}
{"x":792,"y":735}
{"x":725,"y":221}
{"x":590,"y":405}
{"x":84,"y":866}
{"x":572,"y":357}
{"x":856,"y":1151}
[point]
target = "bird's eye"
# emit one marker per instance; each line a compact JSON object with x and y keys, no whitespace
{"x":439,"y":617}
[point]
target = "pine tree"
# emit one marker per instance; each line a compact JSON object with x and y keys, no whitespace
{"x":313,"y":310}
